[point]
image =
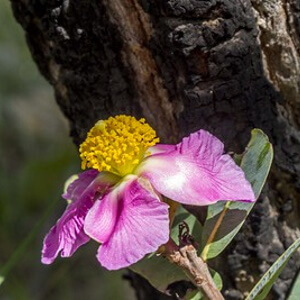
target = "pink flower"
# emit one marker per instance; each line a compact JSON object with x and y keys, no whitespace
{"x":118,"y":202}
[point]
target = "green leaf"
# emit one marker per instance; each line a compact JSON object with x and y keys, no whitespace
{"x":193,"y":295}
{"x":158,"y":271}
{"x":217,"y":279}
{"x":224,"y":219}
{"x":262,"y":288}
{"x":295,"y":293}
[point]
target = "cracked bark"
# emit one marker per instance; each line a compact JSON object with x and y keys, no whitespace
{"x":223,"y":65}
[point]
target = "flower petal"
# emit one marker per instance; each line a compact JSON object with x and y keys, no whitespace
{"x":101,"y":219}
{"x":197,"y":172}
{"x":78,"y":186}
{"x":67,"y":235}
{"x":161,"y":148}
{"x":142,"y":225}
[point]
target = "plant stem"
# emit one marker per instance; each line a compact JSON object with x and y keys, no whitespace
{"x":195,"y":268}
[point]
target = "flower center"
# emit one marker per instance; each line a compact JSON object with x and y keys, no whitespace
{"x":117,"y":144}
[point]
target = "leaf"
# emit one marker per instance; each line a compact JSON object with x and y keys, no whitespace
{"x":217,"y":279}
{"x":294,"y":295}
{"x":158,"y":271}
{"x":193,"y":295}
{"x":224,"y":219}
{"x":262,"y":288}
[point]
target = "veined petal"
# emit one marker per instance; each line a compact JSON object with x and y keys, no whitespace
{"x":67,"y":235}
{"x":161,"y":148}
{"x":197,"y":172}
{"x":141,"y":225}
{"x":79,"y":185}
{"x":101,"y":219}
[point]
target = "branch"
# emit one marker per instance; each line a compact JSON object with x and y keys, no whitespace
{"x":195,"y":268}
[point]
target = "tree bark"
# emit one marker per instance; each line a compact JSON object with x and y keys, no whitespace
{"x":223,"y":65}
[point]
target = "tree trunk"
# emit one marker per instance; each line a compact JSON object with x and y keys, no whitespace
{"x":223,"y":65}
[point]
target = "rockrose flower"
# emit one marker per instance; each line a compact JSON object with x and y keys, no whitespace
{"x":118,"y":201}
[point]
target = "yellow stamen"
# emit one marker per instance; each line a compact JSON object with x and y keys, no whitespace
{"x":117,"y":145}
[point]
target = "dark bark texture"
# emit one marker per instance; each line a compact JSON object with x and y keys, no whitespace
{"x":223,"y":65}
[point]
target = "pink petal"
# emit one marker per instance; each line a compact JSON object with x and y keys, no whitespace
{"x":161,"y":148}
{"x":77,"y":187}
{"x":68,"y":235}
{"x":197,"y":172}
{"x":141,"y":225}
{"x":101,"y":219}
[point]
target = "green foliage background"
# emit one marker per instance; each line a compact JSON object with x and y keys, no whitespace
{"x":36,"y":157}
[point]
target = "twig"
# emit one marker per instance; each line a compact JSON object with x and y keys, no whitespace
{"x":195,"y":268}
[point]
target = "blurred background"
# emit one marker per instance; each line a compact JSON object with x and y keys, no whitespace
{"x":36,"y":157}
